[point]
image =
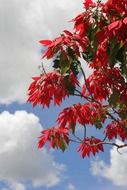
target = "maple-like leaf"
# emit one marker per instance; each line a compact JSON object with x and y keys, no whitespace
{"x":56,"y":136}
{"x":45,"y":42}
{"x":98,"y":39}
{"x":90,"y":145}
{"x":88,"y":4}
{"x":115,"y":130}
{"x":46,"y":88}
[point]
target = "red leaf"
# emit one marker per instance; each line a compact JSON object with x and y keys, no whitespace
{"x":58,"y":41}
{"x":90,"y":145}
{"x":89,"y":3}
{"x":115,"y":129}
{"x":56,"y":136}
{"x":113,"y":25}
{"x":125,"y":20}
{"x":67,"y":32}
{"x":49,"y":87}
{"x":48,"y":54}
{"x":45,"y":42}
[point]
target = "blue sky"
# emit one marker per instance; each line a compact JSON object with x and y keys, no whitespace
{"x":22,"y":165}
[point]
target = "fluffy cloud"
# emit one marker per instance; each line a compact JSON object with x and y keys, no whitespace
{"x":70,"y":187}
{"x":23,"y":23}
{"x":14,"y":186}
{"x":20,"y":160}
{"x":116,"y":170}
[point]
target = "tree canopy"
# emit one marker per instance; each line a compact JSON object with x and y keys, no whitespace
{"x":99,"y":41}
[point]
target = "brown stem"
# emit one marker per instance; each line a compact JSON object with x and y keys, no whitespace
{"x":93,"y":100}
{"x":43,"y":69}
{"x":87,"y":98}
{"x":86,"y":83}
{"x":110,"y":143}
{"x":112,"y":117}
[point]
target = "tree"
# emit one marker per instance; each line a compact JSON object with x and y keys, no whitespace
{"x":99,"y":40}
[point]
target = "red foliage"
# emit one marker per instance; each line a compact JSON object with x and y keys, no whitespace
{"x":87,"y":113}
{"x":117,"y":28}
{"x":100,"y":39}
{"x":50,"y":86}
{"x":57,"y":137}
{"x":115,"y":7}
{"x":115,"y":130}
{"x":90,"y":145}
{"x":88,"y":4}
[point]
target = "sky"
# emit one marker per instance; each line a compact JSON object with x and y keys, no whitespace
{"x":22,"y":166}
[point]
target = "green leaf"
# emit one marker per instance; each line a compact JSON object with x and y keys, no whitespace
{"x":98,"y":122}
{"x":69,"y":86}
{"x":71,"y":53}
{"x":64,"y":63}
{"x":56,"y":63}
{"x":122,"y":111}
{"x":72,"y":128}
{"x":123,"y":114}
{"x":88,"y":55}
{"x":113,"y":100}
{"x":75,"y":66}
{"x":116,"y":52}
{"x":92,"y":35}
{"x":98,"y":125}
{"x":62,"y":145}
{"x":61,"y":63}
{"x":65,"y":68}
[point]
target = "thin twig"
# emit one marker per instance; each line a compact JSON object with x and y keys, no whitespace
{"x":84,"y":131}
{"x":112,"y":117}
{"x":75,"y":141}
{"x":43,"y":68}
{"x":109,"y":143}
{"x":80,"y":140}
{"x":86,"y":83}
{"x":87,"y":98}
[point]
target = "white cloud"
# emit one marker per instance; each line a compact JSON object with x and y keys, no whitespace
{"x":12,"y":185}
{"x":70,"y":187}
{"x":20,"y":160}
{"x":23,"y":24}
{"x":116,"y":170}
